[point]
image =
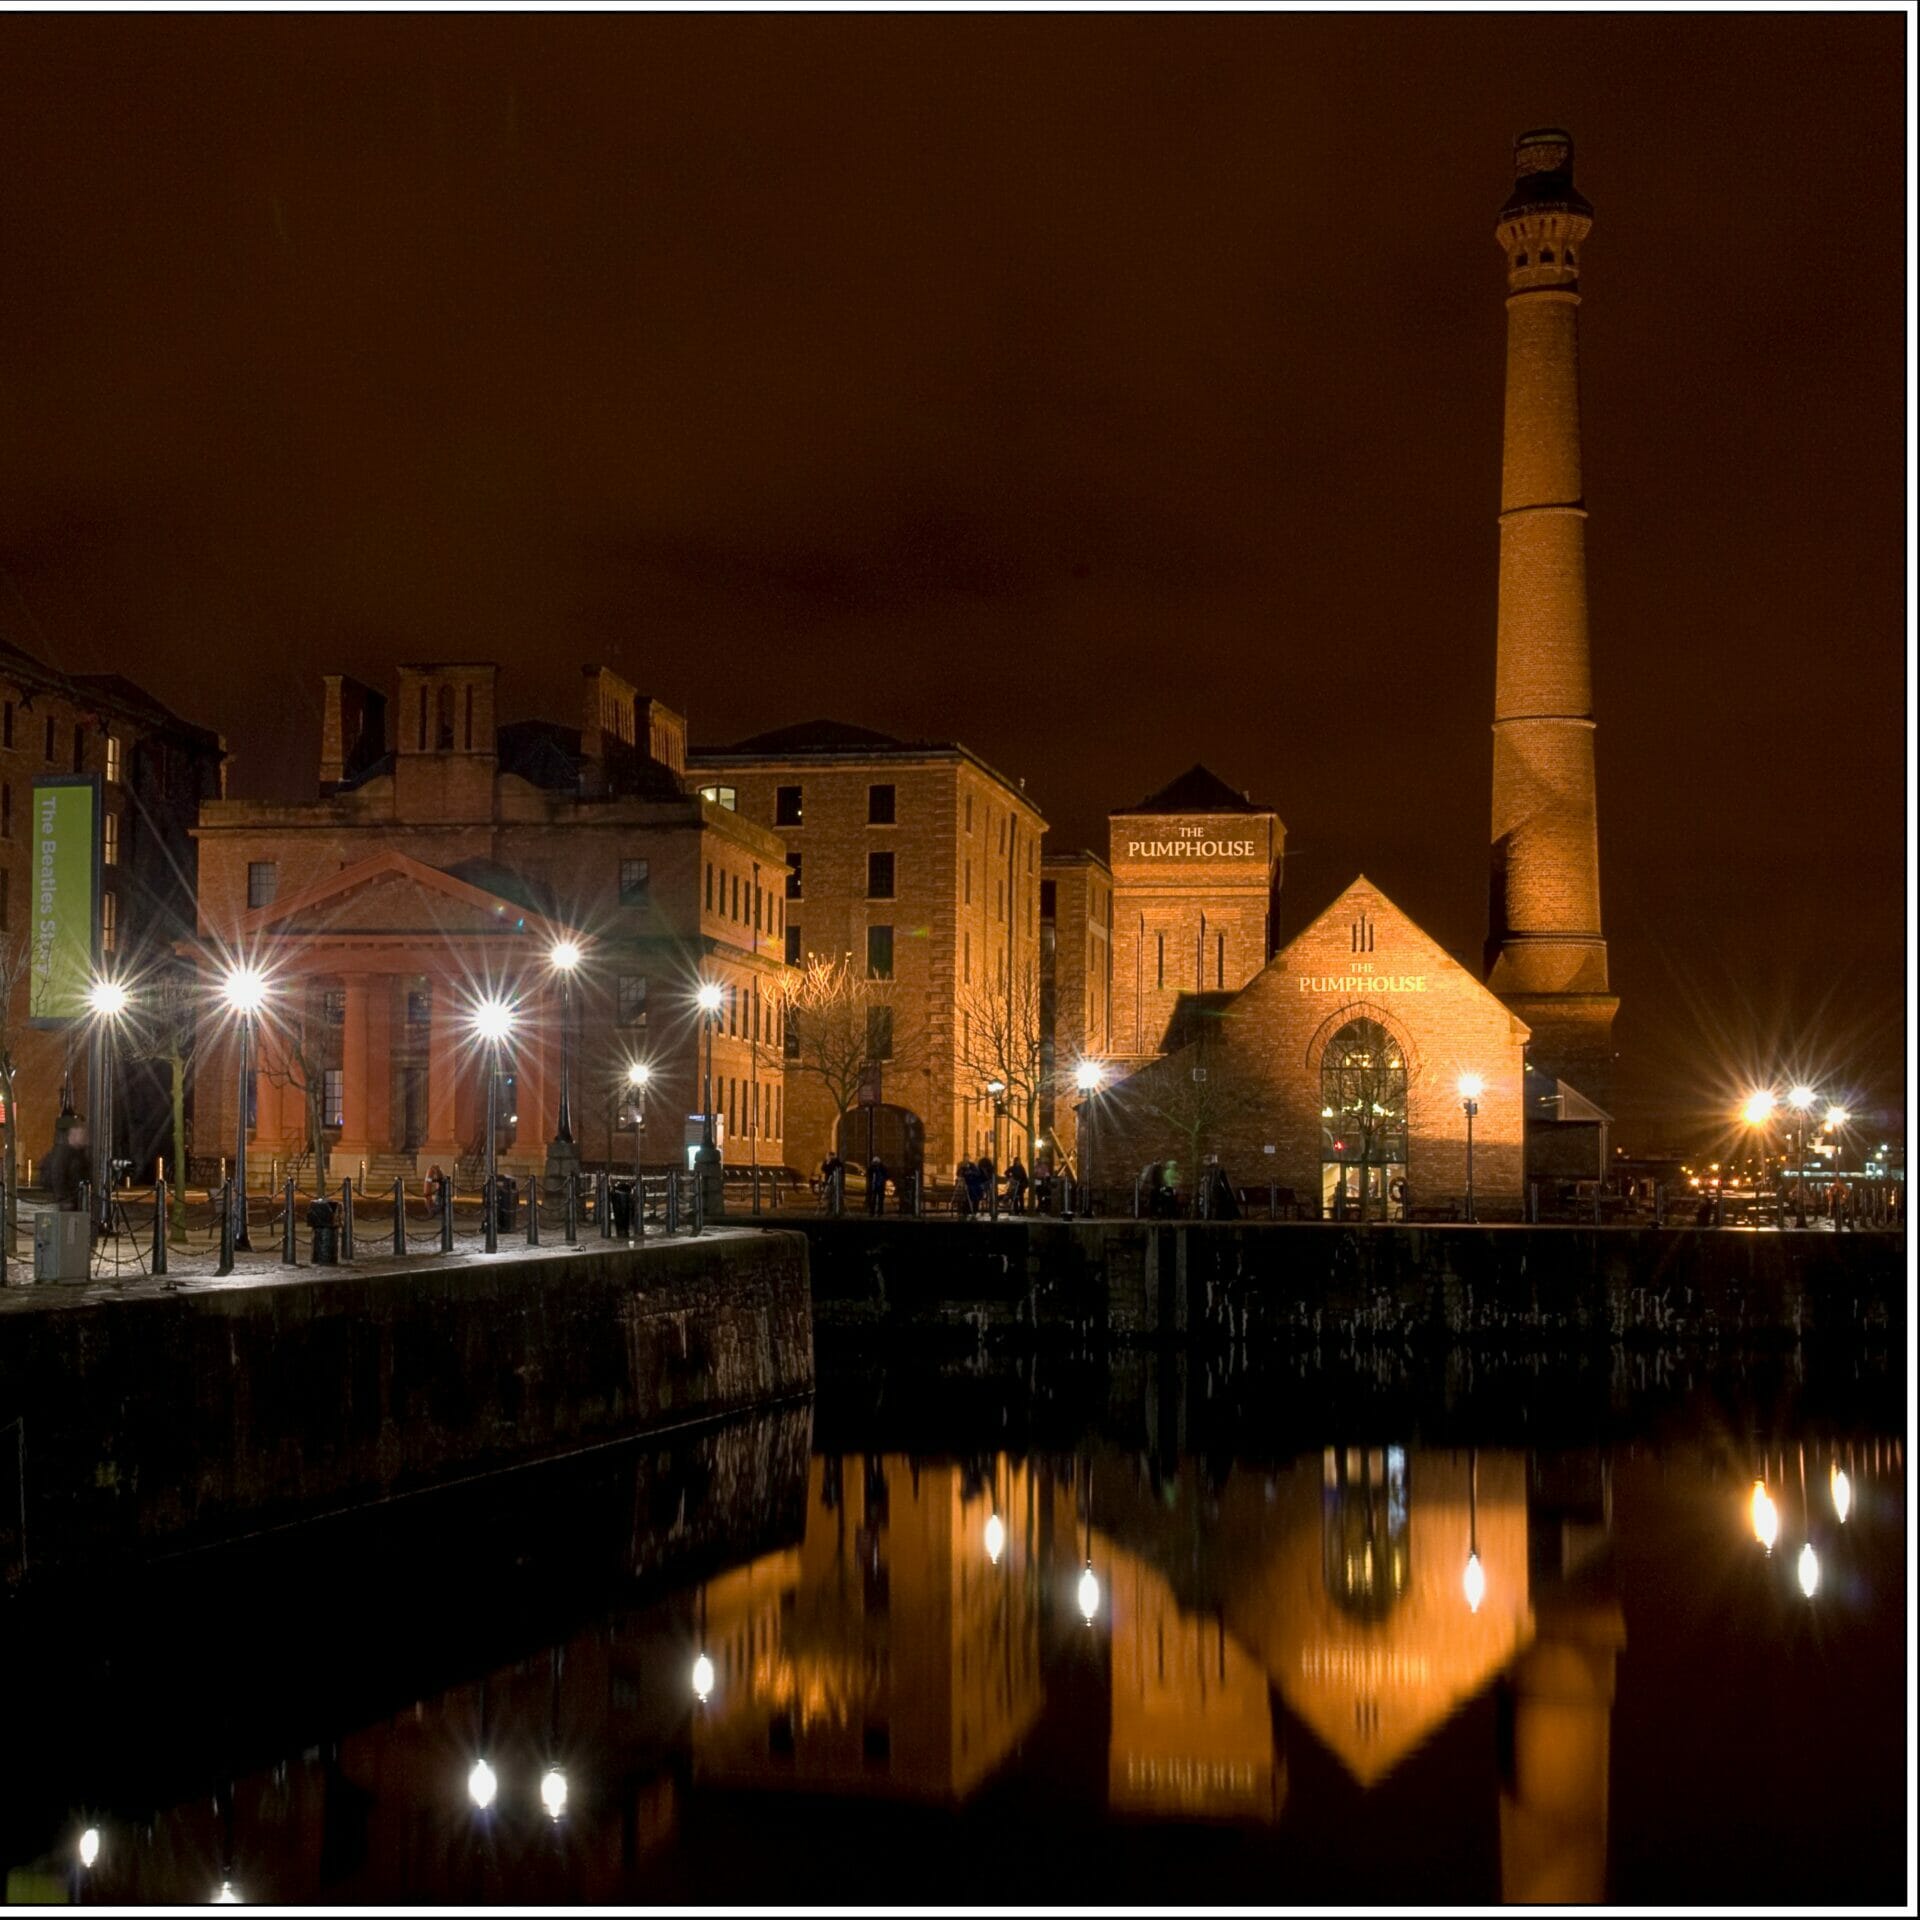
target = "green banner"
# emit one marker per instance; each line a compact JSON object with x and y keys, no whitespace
{"x":66,"y":899}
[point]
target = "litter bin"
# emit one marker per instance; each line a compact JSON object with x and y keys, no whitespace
{"x":506,"y":1200}
{"x":323,"y":1221}
{"x":620,"y":1205}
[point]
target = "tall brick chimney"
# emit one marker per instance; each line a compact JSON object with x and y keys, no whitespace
{"x":1546,"y":955}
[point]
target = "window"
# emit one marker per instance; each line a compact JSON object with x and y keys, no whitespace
{"x":793,"y":945}
{"x":709,"y":886}
{"x":879,"y":876}
{"x":793,"y":878}
{"x":634,"y":878}
{"x":1219,"y":959}
{"x":109,"y":839}
{"x":786,"y":807}
{"x":333,"y":1097}
{"x":879,"y":1033}
{"x":736,"y":897}
{"x":263,"y":882}
{"x":5,"y":876}
{"x":966,"y":958}
{"x":1363,"y":1097}
{"x":334,"y":1000}
{"x":757,"y":903}
{"x":879,"y":953}
{"x":632,"y":1011}
{"x":419,"y":1006}
{"x":443,"y":720}
{"x":109,"y":923}
{"x":113,"y":756}
{"x":721,"y":797}
{"x":999,"y":899}
{"x":6,"y":727}
{"x":1048,"y":898}
{"x":50,"y":742}
{"x":6,"y":811}
{"x":1361,"y":934}
{"x":1160,"y":960}
{"x":880,"y":806}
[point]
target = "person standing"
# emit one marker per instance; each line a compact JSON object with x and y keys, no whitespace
{"x":1016,"y":1186}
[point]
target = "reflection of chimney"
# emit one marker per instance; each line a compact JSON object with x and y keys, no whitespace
{"x":1553,"y":1819}
{"x":353,"y":729}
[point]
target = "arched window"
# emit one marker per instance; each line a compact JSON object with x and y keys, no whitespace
{"x":1363,"y":1098}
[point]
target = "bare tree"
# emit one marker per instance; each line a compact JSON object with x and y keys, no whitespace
{"x":1194,"y":1094}
{"x":304,"y":1049}
{"x":840,"y":1022}
{"x":169,"y":1036}
{"x":1364,"y":1082}
{"x":1000,"y":1039}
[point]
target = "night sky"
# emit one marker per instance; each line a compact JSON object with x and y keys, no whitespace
{"x":1106,"y":393}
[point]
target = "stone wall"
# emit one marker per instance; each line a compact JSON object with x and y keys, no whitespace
{"x":137,"y":1425}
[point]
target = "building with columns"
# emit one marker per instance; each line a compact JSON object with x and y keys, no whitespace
{"x":445,"y":859}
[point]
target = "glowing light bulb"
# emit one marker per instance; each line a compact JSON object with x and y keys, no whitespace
{"x":1471,"y":1086}
{"x":244,"y":989}
{"x":107,"y":999}
{"x":709,"y":998}
{"x":226,"y":1897}
{"x":1089,"y":1594}
{"x":491,"y":1019}
{"x":482,"y":1784}
{"x":639,"y":1073}
{"x":1842,"y":1494}
{"x":1766,"y":1516}
{"x":1473,"y":1583}
{"x":90,"y":1846}
{"x":996,"y":1538}
{"x":1086,"y":1076}
{"x":702,"y":1678}
{"x":553,"y":1792}
{"x":1809,"y":1570}
{"x":1800,"y":1099}
{"x":565,"y":955}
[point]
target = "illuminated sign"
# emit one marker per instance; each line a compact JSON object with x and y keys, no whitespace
{"x":1193,"y":843}
{"x":64,"y":942}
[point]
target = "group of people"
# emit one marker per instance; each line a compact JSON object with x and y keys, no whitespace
{"x":833,"y":1183}
{"x":977,"y":1182}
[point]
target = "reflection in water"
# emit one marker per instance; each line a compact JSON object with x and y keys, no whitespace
{"x":924,"y":1632}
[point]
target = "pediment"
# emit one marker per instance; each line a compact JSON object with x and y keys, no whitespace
{"x":395,"y":896}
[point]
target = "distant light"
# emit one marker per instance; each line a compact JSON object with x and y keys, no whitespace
{"x":1842,"y":1489}
{"x":1471,"y":1086}
{"x":639,"y":1073}
{"x":996,"y":1538}
{"x":1838,"y":1116}
{"x":1800,"y":1099}
{"x":1087,"y":1075}
{"x":1473,"y":1583}
{"x":553,"y":1792}
{"x":90,"y":1846}
{"x":1758,"y":1110}
{"x":702,"y":1678}
{"x":482,"y":1784}
{"x":1089,"y":1595}
{"x":1766,"y":1516}
{"x":244,"y":989}
{"x":1809,"y":1570}
{"x":565,"y":955}
{"x":491,"y":1019}
{"x":996,"y":1088}
{"x":107,"y":999}
{"x":709,"y":997}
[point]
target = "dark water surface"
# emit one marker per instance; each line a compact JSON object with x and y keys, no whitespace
{"x":1362,"y":1633}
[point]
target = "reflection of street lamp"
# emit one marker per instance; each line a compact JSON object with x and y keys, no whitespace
{"x":1473,"y":1582}
{"x":245,"y":991}
{"x":565,"y":957}
{"x":1471,"y":1088}
{"x":553,"y":1791}
{"x":1765,"y":1516}
{"x":996,"y":1538}
{"x":492,"y":1023}
{"x":1087,"y":1076}
{"x":90,"y":1847}
{"x":703,"y":1674}
{"x":482,"y":1784}
{"x":1842,"y":1490}
{"x":638,"y":1074}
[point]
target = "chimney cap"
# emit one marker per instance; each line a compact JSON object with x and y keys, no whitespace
{"x":1544,"y":150}
{"x":1543,"y":175}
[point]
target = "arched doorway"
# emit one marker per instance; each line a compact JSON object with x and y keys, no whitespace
{"x":1363,"y":1124}
{"x":897,"y":1134}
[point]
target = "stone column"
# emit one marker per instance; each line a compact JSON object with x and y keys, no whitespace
{"x":379,"y":1130}
{"x":355,"y":1132}
{"x":442,"y":1144}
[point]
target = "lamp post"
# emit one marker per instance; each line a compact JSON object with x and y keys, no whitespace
{"x":106,"y":1001}
{"x":1471,"y":1088}
{"x":1801,"y":1100}
{"x":638,"y":1074}
{"x":1757,"y":1111}
{"x":492,"y":1023}
{"x":564,"y":958}
{"x":1473,"y":1582}
{"x":997,"y":1090}
{"x":710,"y":998}
{"x":1087,"y":1077}
{"x":244,"y":989}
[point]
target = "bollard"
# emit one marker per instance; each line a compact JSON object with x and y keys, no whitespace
{"x":673,"y":1202}
{"x":346,"y":1218}
{"x":446,"y":1214}
{"x":571,"y":1226}
{"x":399,"y":1217}
{"x":1136,"y":1196}
{"x":160,"y":1226}
{"x":919,"y":1198}
{"x":533,"y":1210}
{"x":289,"y":1244}
{"x":226,"y":1228}
{"x":639,"y":1208}
{"x":699,"y":1204}
{"x":489,"y":1215}
{"x":602,"y":1203}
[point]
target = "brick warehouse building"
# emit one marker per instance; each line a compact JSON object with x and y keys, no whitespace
{"x":155,"y":771}
{"x":444,"y":857}
{"x":920,"y":863}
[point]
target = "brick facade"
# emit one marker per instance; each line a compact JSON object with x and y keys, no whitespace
{"x":1076,"y":987}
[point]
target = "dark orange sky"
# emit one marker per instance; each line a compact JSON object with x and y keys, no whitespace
{"x":1107,"y":393}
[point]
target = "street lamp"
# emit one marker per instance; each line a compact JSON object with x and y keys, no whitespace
{"x":107,"y":1000}
{"x":997,"y":1091}
{"x":638,"y":1074}
{"x":1471,"y":1088}
{"x":564,"y":957}
{"x":492,"y":1023}
{"x":244,"y":989}
{"x":1087,"y":1077}
{"x":1801,"y":1100}
{"x":709,"y":998}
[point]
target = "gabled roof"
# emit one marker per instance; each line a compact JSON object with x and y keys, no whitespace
{"x":815,"y":736}
{"x":1198,"y":790}
{"x":475,"y":899}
